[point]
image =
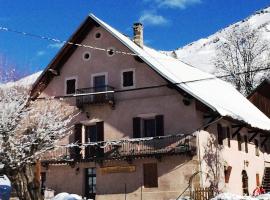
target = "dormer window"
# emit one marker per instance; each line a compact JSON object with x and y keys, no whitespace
{"x":128,"y":78}
{"x":70,"y":86}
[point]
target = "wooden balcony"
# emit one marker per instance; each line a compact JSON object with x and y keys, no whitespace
{"x":123,"y":149}
{"x":95,"y":95}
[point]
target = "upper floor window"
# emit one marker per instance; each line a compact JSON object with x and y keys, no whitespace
{"x":223,"y":133}
{"x":86,"y":56}
{"x":246,"y":143}
{"x":70,"y":86}
{"x":148,"y":126}
{"x":257,"y":153}
{"x":239,"y":141}
{"x":128,"y":78}
{"x":111,"y":51}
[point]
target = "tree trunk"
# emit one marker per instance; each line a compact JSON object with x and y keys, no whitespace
{"x":24,"y":183}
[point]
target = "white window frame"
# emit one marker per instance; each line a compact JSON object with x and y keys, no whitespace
{"x":86,"y":59}
{"x":114,"y":51}
{"x":99,"y":74}
{"x":70,"y":78}
{"x":122,"y":79}
{"x":101,"y":34}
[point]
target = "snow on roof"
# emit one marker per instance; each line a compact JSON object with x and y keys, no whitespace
{"x":213,"y":92}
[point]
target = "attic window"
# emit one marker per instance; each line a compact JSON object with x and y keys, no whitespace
{"x":98,"y":35}
{"x":86,"y":56}
{"x":128,"y":78}
{"x":70,"y":86}
{"x":111,"y":51}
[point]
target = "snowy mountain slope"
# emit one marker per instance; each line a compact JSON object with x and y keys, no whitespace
{"x":26,"y":82}
{"x":201,"y":53}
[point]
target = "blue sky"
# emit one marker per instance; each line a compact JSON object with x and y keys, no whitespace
{"x":168,"y":24}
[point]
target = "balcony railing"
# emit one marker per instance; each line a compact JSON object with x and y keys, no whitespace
{"x":124,"y":149}
{"x":95,"y":95}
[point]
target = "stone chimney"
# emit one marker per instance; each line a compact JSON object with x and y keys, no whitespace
{"x":138,"y":34}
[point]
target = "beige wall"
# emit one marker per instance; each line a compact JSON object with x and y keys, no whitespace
{"x":173,"y":176}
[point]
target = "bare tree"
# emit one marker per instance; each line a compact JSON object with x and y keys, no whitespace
{"x":27,"y":129}
{"x":214,"y":163}
{"x":242,"y":50}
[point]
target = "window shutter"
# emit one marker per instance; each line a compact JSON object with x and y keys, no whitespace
{"x":100,"y":137}
{"x":159,"y":125}
{"x":75,"y":151}
{"x":136,"y":127}
{"x":228,"y":136}
{"x":150,"y":175}
{"x":239,"y":140}
{"x":228,"y":174}
{"x":100,"y":131}
{"x":258,"y":179}
{"x":220,"y":134}
{"x":246,"y":143}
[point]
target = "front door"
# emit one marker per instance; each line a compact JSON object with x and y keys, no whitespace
{"x":90,"y":182}
{"x":245,"y":182}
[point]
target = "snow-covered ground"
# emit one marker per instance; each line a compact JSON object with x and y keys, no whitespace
{"x":229,"y":196}
{"x":67,"y":196}
{"x":222,"y":196}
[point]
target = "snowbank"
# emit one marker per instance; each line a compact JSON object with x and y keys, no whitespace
{"x":229,"y":196}
{"x":66,"y":196}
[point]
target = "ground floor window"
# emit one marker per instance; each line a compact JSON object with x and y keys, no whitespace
{"x":258,"y":179}
{"x":150,"y":175}
{"x":90,"y":182}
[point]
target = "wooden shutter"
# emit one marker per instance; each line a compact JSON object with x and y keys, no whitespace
{"x":100,"y":131}
{"x":100,"y":137}
{"x":78,"y":133}
{"x":258,"y":179}
{"x":228,"y":136}
{"x":239,"y":141}
{"x":228,"y":174}
{"x":75,"y":151}
{"x":220,"y":134}
{"x":150,"y":175}
{"x":136,"y":127}
{"x":246,"y":143}
{"x":159,"y":125}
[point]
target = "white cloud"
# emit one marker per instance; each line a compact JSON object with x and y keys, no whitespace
{"x":55,"y":45}
{"x":41,"y":53}
{"x":182,"y":4}
{"x":150,"y":18}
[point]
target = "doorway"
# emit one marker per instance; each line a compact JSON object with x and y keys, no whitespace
{"x":245,"y":182}
{"x":90,"y":182}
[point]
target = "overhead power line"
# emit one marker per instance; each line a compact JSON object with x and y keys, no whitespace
{"x":58,"y":41}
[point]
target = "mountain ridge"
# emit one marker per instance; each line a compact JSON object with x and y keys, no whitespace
{"x":201,"y":53}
